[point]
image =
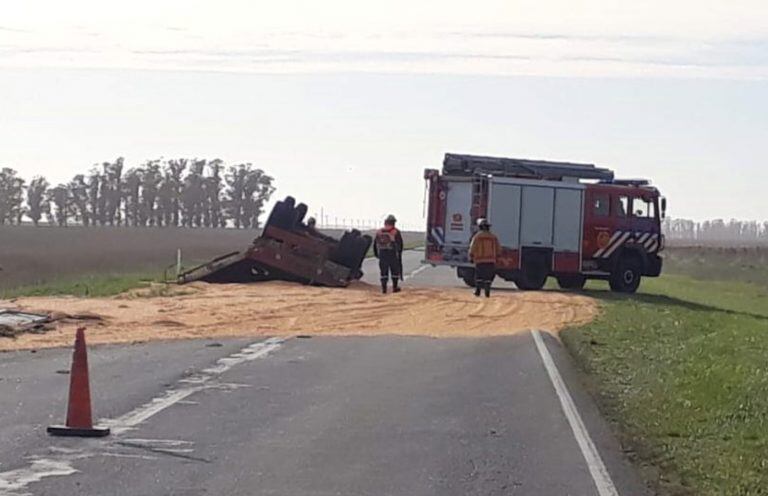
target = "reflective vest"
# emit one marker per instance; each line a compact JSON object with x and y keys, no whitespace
{"x":484,"y":248}
{"x":386,"y":239}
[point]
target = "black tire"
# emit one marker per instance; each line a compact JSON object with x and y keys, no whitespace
{"x":626,"y":277}
{"x":572,"y":281}
{"x":467,"y":275}
{"x":301,"y":212}
{"x":283,"y":214}
{"x":534,"y":274}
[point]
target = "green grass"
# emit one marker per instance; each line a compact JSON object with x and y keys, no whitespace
{"x":682,"y":368}
{"x":85,"y":286}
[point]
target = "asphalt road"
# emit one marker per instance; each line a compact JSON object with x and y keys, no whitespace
{"x":322,"y":416}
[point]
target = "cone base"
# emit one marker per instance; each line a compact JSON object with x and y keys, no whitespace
{"x":63,"y":430}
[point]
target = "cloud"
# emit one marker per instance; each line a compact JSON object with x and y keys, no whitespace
{"x":450,"y":51}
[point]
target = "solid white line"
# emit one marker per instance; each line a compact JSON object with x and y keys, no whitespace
{"x":197,"y":382}
{"x":600,"y":475}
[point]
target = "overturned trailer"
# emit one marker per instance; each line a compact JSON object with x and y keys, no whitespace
{"x":290,"y":250}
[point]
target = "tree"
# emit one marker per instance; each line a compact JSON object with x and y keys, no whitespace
{"x":131,"y":188}
{"x":192,"y":197}
{"x":37,"y":201}
{"x":235,"y":179}
{"x":214,"y":216}
{"x":59,"y":196}
{"x":175,"y":170}
{"x":248,"y":190}
{"x":150,"y":186}
{"x":111,"y":191}
{"x":95,"y":201}
{"x":11,"y":197}
{"x":78,"y":197}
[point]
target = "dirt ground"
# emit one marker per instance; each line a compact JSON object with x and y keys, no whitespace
{"x":201,"y":310}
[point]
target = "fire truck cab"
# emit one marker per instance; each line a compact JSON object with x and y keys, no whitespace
{"x":571,"y":221}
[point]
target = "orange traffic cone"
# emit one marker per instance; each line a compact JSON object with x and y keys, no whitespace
{"x":79,"y":421}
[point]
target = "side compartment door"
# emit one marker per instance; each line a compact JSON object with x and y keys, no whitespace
{"x":537,"y":216}
{"x":458,"y":222}
{"x":568,"y":207}
{"x":504,"y":213}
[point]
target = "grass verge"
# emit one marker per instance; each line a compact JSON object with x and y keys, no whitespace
{"x":682,"y":368}
{"x":85,"y":286}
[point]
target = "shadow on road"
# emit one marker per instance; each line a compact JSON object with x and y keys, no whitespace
{"x":657,"y":299}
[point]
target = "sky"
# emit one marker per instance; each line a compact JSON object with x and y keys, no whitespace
{"x":346,"y":102}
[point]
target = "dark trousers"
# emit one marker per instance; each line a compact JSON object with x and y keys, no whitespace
{"x":389,"y":264}
{"x":484,"y":275}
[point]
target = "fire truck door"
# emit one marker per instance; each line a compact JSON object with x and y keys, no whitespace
{"x":458,"y":222}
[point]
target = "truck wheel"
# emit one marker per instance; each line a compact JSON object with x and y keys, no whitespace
{"x":626,"y":277}
{"x":571,"y":281}
{"x":534,"y":274}
{"x":467,"y":275}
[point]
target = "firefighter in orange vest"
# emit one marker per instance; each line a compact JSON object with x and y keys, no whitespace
{"x":388,"y":248}
{"x":484,"y":250}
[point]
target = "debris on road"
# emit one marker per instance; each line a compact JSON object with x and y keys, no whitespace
{"x":14,"y":322}
{"x":282,"y":309}
{"x":289,"y":250}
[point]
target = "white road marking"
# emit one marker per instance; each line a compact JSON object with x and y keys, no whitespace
{"x":13,"y":482}
{"x":600,"y":475}
{"x":60,"y":461}
{"x":197,"y":382}
{"x":416,"y":272}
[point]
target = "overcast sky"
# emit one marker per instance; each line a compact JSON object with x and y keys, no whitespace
{"x":345,"y":102}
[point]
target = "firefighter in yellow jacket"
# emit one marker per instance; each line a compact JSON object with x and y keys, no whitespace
{"x":484,"y":250}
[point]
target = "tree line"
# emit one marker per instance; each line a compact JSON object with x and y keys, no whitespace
{"x":162,"y":193}
{"x":715,"y":230}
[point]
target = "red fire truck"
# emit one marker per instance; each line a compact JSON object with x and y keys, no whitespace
{"x":571,"y":221}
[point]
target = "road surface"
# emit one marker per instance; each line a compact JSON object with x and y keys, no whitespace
{"x":322,"y":416}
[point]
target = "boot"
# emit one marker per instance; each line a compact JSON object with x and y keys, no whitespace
{"x":384,"y":286}
{"x":395,"y":287}
{"x":477,"y":289}
{"x":487,"y":290}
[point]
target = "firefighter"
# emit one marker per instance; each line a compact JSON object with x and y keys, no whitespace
{"x":388,"y":248}
{"x":484,"y":249}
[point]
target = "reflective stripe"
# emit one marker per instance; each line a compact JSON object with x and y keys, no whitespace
{"x":438,"y":235}
{"x":617,"y":244}
{"x":650,"y":241}
{"x":610,"y":241}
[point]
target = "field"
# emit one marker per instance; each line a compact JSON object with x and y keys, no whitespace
{"x":719,"y":263}
{"x":101,"y":261}
{"x":681,"y":370}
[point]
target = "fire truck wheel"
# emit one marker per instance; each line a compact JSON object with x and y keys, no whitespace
{"x":571,"y":281}
{"x":626,"y":277}
{"x":468,"y":276}
{"x":534,"y":274}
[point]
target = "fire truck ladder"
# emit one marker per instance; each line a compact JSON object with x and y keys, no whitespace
{"x":463,"y":165}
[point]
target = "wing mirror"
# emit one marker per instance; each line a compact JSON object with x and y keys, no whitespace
{"x":663,"y":207}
